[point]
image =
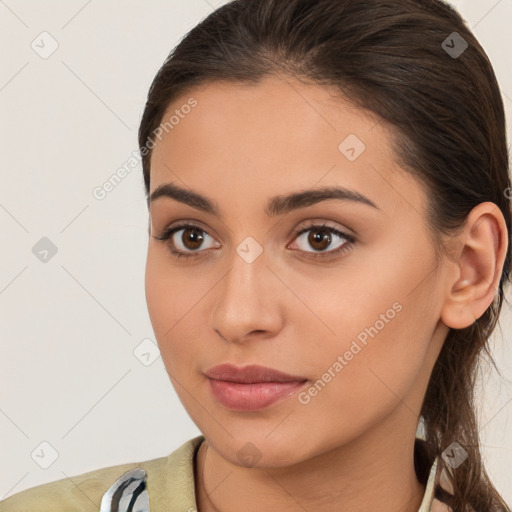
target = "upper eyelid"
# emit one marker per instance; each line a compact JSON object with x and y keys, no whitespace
{"x":341,"y":231}
{"x":309,"y":225}
{"x":311,"y":221}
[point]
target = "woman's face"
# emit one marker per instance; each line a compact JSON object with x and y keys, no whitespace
{"x":357,"y":320}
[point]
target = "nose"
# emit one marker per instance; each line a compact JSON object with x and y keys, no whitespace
{"x":248,"y":302}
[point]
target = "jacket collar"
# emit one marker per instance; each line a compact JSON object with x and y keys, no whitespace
{"x":171,"y":481}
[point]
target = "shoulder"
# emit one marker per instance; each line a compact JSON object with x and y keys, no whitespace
{"x":84,"y":492}
{"x":78,"y":493}
{"x":439,"y":506}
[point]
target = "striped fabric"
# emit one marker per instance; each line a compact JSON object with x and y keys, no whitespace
{"x":127,"y":494}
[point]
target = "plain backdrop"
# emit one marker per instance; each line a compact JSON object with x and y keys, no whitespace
{"x":82,"y":385}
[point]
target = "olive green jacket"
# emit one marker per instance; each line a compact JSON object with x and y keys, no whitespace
{"x":168,"y":485}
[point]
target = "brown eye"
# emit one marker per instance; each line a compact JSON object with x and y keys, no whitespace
{"x":320,"y":238}
{"x":188,"y":244}
{"x":192,"y":238}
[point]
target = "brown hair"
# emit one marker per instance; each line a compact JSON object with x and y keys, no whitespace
{"x":392,"y":58}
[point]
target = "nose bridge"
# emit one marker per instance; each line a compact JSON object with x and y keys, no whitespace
{"x":244,"y":283}
{"x":242,"y":304}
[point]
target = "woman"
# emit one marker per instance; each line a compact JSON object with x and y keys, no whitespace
{"x":328,"y":189}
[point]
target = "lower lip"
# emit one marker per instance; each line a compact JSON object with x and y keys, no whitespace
{"x":252,"y":397}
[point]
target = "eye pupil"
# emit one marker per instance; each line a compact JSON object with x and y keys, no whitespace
{"x":192,"y":235}
{"x":317,"y":237}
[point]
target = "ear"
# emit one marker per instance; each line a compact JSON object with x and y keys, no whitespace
{"x":477,"y":266}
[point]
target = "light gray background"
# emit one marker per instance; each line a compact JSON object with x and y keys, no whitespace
{"x":70,"y":326}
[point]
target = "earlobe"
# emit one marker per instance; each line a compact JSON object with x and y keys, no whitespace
{"x":477,"y":267}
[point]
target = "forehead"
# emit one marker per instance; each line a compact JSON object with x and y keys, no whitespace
{"x":277,"y":136}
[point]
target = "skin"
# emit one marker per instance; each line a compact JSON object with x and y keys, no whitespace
{"x":351,"y":446}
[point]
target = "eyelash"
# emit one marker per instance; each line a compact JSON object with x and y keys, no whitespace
{"x":350,"y":240}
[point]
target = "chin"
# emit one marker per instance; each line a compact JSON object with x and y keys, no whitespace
{"x":259,"y":451}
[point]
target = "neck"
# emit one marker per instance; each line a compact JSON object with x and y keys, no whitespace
{"x":370,"y":473}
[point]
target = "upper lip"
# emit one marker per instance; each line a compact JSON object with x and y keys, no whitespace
{"x":250,"y":374}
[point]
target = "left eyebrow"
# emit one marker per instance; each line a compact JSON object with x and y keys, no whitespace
{"x":277,"y":205}
{"x":280,"y":205}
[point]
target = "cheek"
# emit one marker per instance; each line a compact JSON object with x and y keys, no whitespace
{"x":157,"y":295}
{"x":373,"y":378}
{"x":174,"y":300}
{"x":167,"y":302}
{"x":381,"y":324}
{"x":170,"y":293}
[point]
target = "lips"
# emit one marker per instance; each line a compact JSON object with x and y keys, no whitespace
{"x":251,"y":388}
{"x":250,"y":374}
